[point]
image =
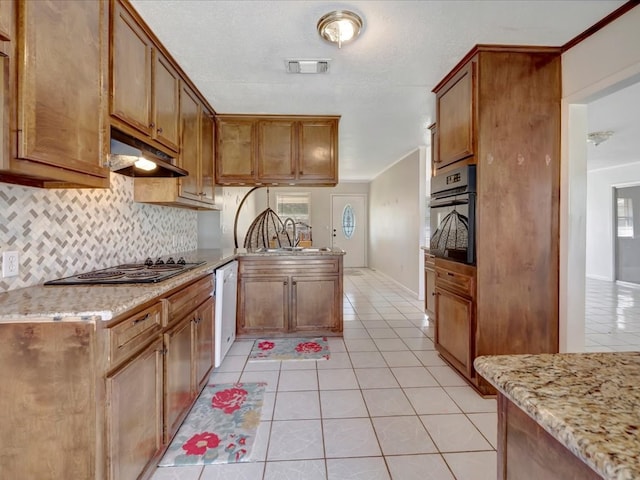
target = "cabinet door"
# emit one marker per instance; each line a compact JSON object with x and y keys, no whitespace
{"x":276,"y":150}
{"x":166,"y":102}
{"x":61,"y":108}
{"x":190,"y":118}
{"x":207,"y":167}
{"x":318,"y":151}
{"x":455,"y":118}
{"x":263,"y":304}
{"x":134,"y":413}
{"x":203,"y":346}
{"x":6,"y":19}
{"x":130,"y":71}
{"x":178,"y":391}
{"x":455,"y":329}
{"x":315,"y":301}
{"x":235,"y":150}
{"x":430,"y":292}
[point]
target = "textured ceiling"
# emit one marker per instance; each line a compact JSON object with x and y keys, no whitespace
{"x":235,"y":53}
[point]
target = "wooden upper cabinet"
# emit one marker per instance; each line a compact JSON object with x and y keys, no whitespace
{"x":132,"y":54}
{"x":145,"y":87}
{"x":272,"y":149}
{"x":6,"y":19}
{"x":318,"y":155}
{"x":190,"y":118}
{"x":61,"y":112}
{"x":207,"y":157}
{"x":235,"y":150}
{"x":276,"y":150}
{"x":166,"y":102}
{"x":455,"y":102}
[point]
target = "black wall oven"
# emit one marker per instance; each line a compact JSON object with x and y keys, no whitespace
{"x":453,"y":215}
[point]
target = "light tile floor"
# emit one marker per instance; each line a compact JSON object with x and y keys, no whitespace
{"x":612,"y":317}
{"x":383,"y":407}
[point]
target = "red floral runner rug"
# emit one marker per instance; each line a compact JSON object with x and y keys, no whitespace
{"x":221,"y":427}
{"x":287,"y":348}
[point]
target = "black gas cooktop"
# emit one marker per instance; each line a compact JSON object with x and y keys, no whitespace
{"x":147,"y":272}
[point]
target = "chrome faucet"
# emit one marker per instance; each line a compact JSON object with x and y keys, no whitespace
{"x":294,"y":241}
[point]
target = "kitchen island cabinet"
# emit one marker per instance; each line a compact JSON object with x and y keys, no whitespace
{"x":566,"y":416}
{"x":44,"y":100}
{"x":290,"y":293}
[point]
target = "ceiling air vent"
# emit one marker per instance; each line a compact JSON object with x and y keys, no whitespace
{"x":307,"y":66}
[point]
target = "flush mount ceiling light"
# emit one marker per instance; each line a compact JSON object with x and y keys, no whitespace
{"x":307,"y":66}
{"x":598,"y":137}
{"x":340,"y":26}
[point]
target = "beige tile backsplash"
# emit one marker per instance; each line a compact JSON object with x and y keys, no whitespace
{"x":63,"y":232}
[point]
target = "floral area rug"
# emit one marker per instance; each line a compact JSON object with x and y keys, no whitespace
{"x":290,"y":349}
{"x":220,"y":428}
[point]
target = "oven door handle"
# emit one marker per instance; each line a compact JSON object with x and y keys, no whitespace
{"x":448,"y":202}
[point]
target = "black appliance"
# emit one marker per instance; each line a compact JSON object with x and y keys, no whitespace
{"x":453,"y":215}
{"x":147,"y":272}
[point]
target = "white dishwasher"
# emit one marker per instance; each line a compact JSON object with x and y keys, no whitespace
{"x":225,"y":316}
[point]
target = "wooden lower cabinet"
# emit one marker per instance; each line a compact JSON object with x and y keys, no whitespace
{"x":264,"y":304}
{"x":203,"y":347}
{"x":285,"y":294}
{"x":134,"y":413}
{"x":429,"y":286}
{"x":454,"y":330}
{"x":526,"y":450}
{"x":178,"y":391}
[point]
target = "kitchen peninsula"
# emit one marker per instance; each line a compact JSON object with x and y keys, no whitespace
{"x":567,"y":415}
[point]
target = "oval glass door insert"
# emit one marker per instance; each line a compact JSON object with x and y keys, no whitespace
{"x":348,"y":221}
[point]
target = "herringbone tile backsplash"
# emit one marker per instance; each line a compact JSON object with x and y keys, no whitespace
{"x":63,"y":232}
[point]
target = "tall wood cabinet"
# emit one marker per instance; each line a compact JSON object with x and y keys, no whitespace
{"x":57,"y":121}
{"x":500,"y":109}
{"x":276,"y":149}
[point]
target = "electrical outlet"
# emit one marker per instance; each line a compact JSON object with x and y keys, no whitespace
{"x":10,"y":264}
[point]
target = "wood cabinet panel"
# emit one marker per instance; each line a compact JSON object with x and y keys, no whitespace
{"x":272,"y":149}
{"x":178,"y":393}
{"x":455,"y":113}
{"x":128,"y":336}
{"x":263,"y":304}
{"x":166,"y":102}
{"x":203,"y":345}
{"x":429,"y":285}
{"x":276,"y":150}
{"x":526,"y":450}
{"x":207,"y":158}
{"x":314,"y":303}
{"x":189,"y":156}
{"x":454,"y":328}
{"x":61,"y":117}
{"x":317,"y":158}
{"x":134,"y":413}
{"x":6,"y":19}
{"x":132,"y":54}
{"x":235,"y":152}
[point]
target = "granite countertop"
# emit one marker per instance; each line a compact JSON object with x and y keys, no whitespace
{"x":589,"y":402}
{"x":102,"y":302}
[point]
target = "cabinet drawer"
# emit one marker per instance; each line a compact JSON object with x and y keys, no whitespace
{"x":459,"y":279}
{"x":126,"y":337}
{"x":187,"y":299}
{"x":283,"y":265}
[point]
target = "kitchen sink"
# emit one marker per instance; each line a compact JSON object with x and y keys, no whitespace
{"x":293,"y":249}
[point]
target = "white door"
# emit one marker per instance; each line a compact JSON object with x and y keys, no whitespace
{"x":349,"y":227}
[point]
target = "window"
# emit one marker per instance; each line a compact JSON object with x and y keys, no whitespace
{"x":625,"y":217}
{"x":294,"y":205}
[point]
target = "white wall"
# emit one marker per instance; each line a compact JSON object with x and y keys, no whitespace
{"x":395,"y":221}
{"x":606,"y":61}
{"x":600,"y":238}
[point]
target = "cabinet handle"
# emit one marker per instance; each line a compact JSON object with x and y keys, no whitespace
{"x":286,"y":282}
{"x":451,"y":274}
{"x":141,"y":319}
{"x":159,"y":130}
{"x":152,"y":125}
{"x":433,"y":294}
{"x":163,"y":351}
{"x":294,"y":283}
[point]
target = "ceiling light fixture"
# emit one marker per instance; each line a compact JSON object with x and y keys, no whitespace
{"x":340,"y":26}
{"x":598,"y":137}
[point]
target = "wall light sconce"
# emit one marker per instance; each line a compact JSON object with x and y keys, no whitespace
{"x":340,"y":26}
{"x":598,"y":137}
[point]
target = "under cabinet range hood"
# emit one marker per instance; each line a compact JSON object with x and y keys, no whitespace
{"x":129,"y":156}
